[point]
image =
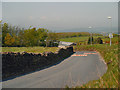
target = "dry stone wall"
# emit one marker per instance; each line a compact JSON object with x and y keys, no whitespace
{"x":15,"y":64}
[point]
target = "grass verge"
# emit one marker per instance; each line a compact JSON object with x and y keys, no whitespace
{"x":30,"y":49}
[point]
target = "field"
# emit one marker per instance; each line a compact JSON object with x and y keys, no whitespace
{"x":115,"y":39}
{"x":74,"y":39}
{"x":30,"y":49}
{"x":77,"y":39}
{"x":84,"y":40}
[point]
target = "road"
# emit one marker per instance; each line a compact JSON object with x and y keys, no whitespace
{"x":78,"y":69}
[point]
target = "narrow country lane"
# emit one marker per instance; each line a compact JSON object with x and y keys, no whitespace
{"x":78,"y":69}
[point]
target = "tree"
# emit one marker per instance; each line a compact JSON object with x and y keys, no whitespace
{"x":52,"y":39}
{"x":21,"y":38}
{"x":29,"y":37}
{"x":0,"y":33}
{"x":41,"y":36}
{"x":17,"y":40}
{"x":14,"y":36}
{"x":0,"y":26}
{"x":89,"y":40}
{"x":9,"y":40}
{"x":33,"y":37}
{"x":4,"y":32}
{"x":99,"y":41}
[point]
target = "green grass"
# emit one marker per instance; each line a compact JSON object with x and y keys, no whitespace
{"x":29,"y":49}
{"x":110,"y":78}
{"x":114,"y":39}
{"x":74,"y":39}
{"x":77,"y":39}
{"x":85,"y":39}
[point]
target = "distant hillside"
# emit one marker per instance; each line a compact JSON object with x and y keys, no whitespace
{"x":74,"y":34}
{"x":93,"y":30}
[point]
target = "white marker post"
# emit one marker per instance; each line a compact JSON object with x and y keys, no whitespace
{"x":110,"y":36}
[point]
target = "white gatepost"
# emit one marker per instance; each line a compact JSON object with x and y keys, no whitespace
{"x":110,"y":36}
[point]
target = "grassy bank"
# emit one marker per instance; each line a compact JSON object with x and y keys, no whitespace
{"x":30,"y":49}
{"x":110,"y":55}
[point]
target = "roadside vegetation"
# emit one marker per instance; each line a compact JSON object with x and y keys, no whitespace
{"x":110,"y":55}
{"x":30,"y":49}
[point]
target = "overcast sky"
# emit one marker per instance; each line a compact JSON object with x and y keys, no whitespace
{"x":60,"y":15}
{"x":0,"y":10}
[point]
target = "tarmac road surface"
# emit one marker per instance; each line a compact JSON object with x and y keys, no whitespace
{"x":78,"y":69}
